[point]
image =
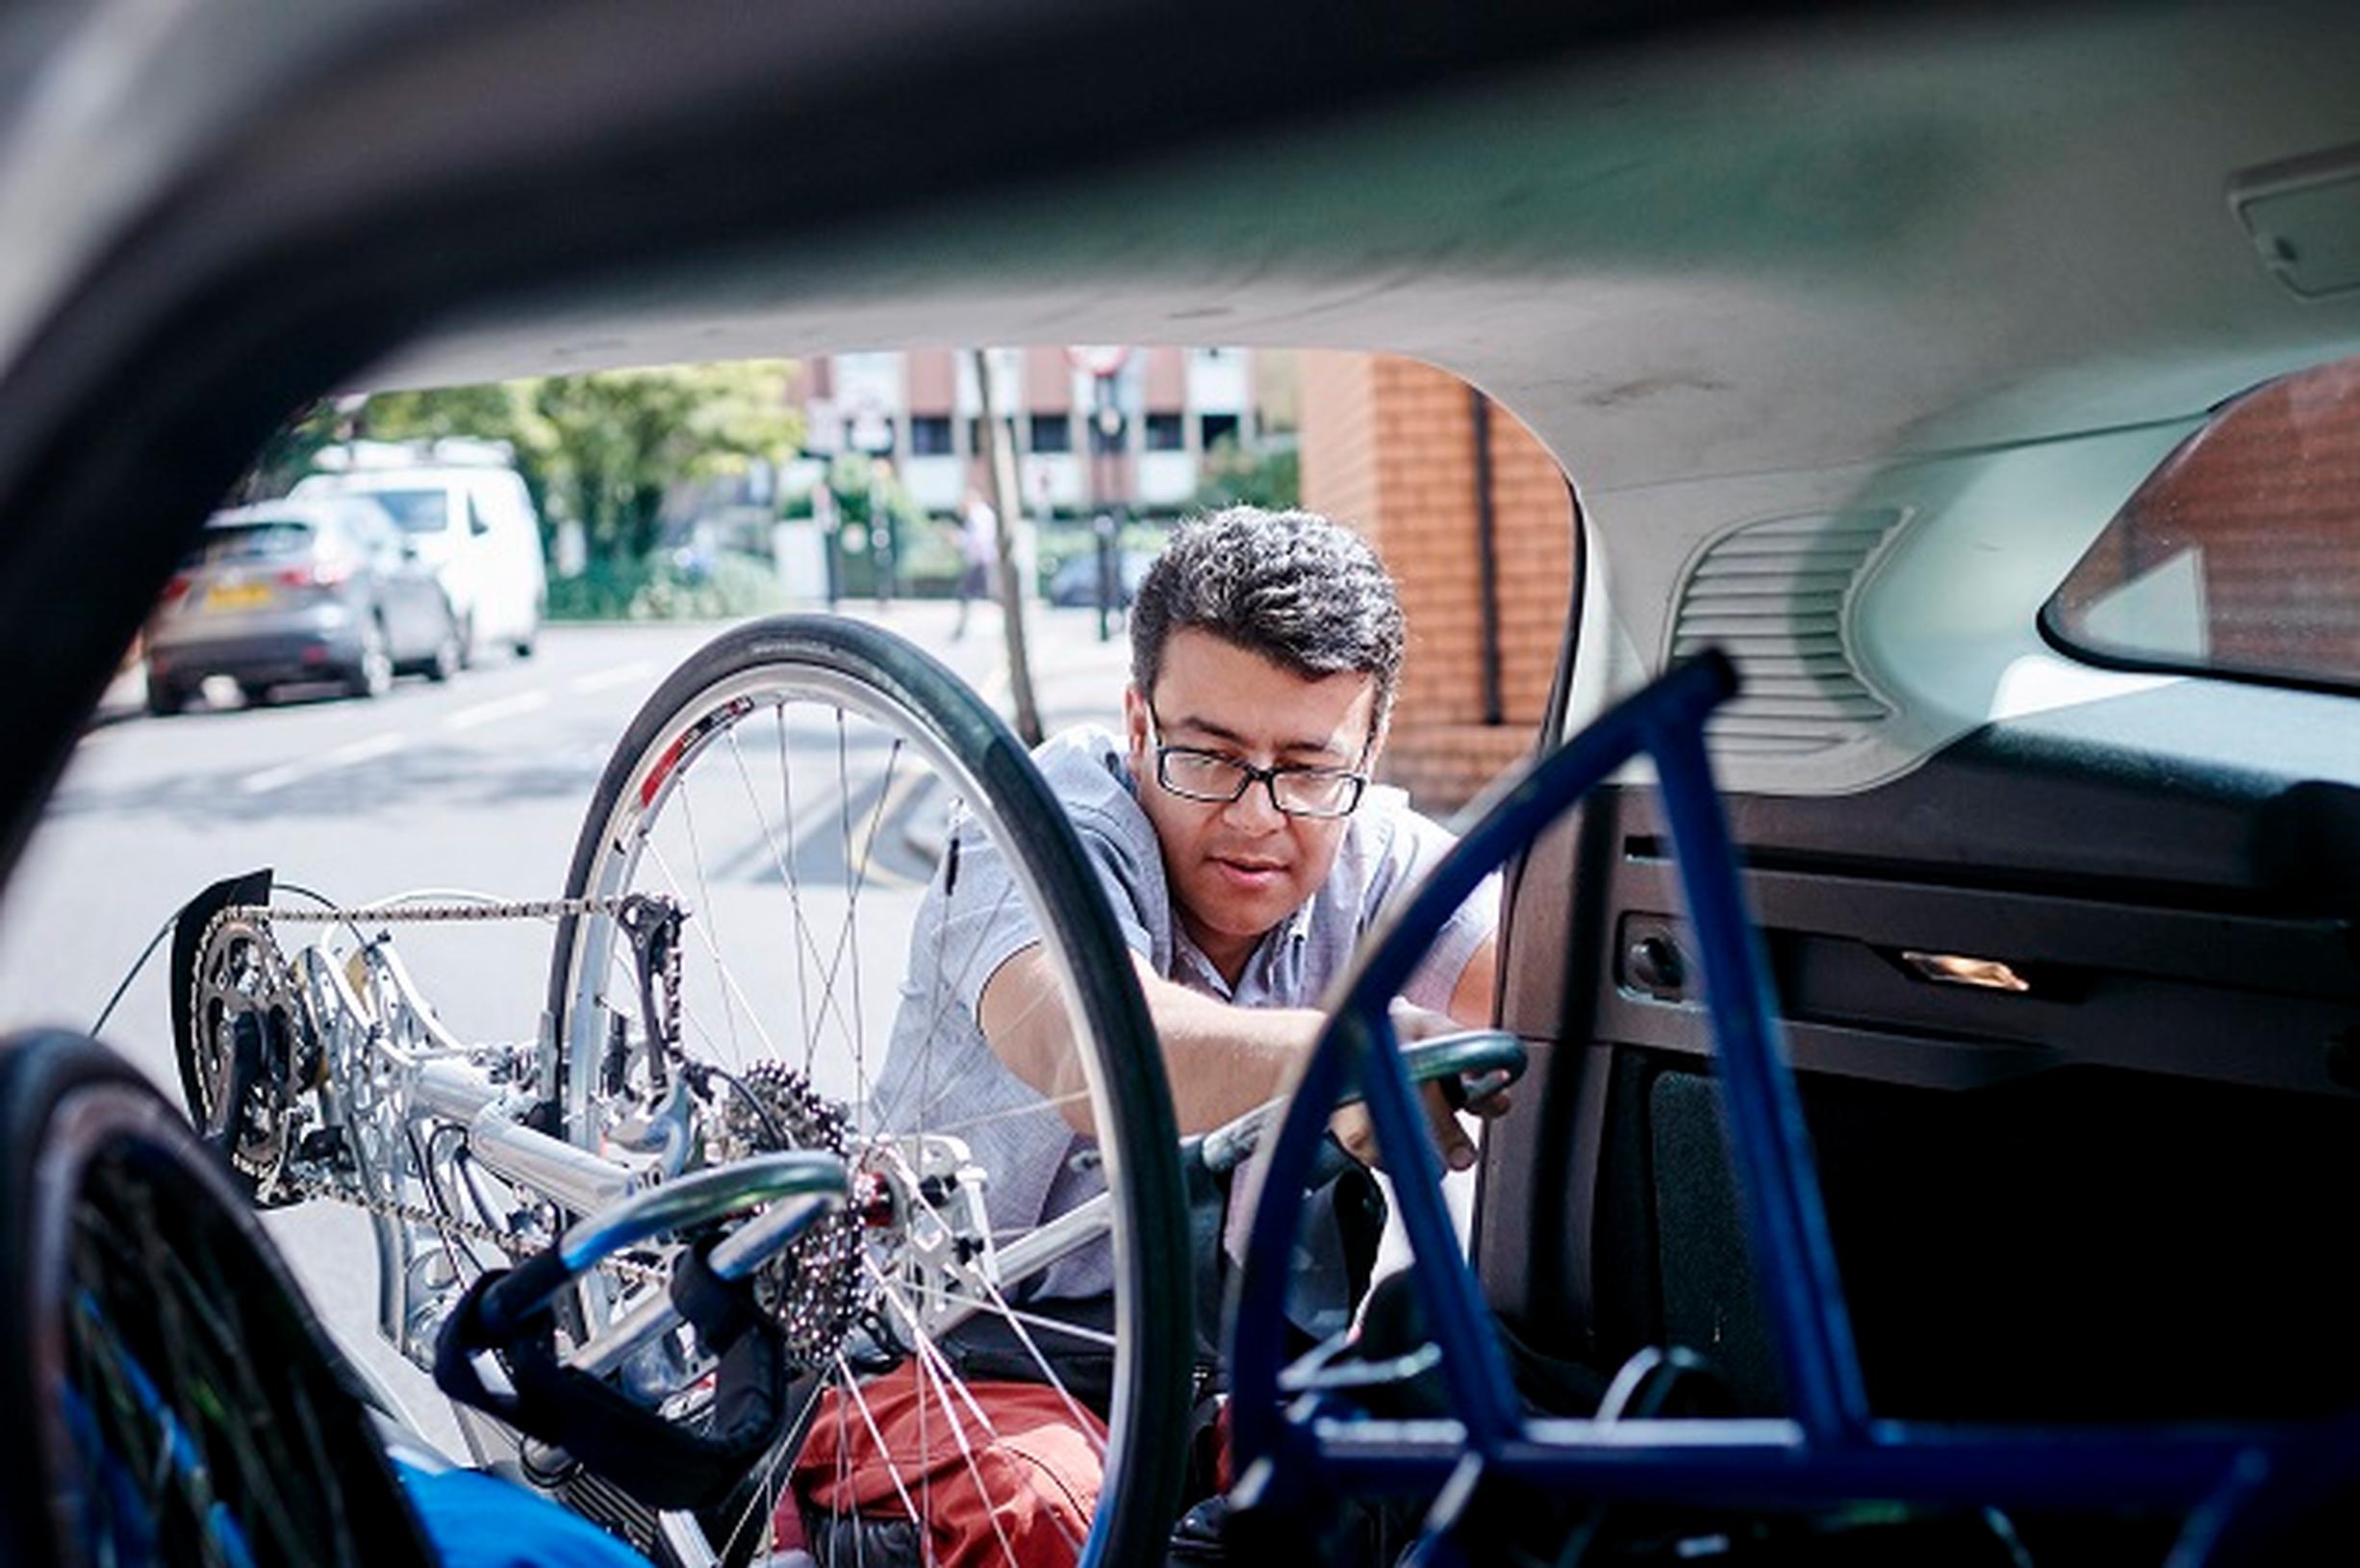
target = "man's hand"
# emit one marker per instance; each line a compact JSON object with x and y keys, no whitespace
{"x":1354,"y":1130}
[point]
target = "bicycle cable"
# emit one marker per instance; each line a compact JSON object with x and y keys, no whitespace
{"x":136,"y":965}
{"x":99,"y":1024}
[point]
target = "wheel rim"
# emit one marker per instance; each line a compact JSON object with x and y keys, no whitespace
{"x":163,"y":1425}
{"x":801,"y":803}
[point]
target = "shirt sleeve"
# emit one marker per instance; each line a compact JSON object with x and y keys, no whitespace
{"x":1414,"y":847}
{"x":986,"y":921}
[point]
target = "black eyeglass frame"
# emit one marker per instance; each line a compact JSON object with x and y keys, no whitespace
{"x":1251,"y":775}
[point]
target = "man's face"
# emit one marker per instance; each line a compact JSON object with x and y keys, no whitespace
{"x":1239,"y":868}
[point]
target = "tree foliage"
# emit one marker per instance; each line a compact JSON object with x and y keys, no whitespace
{"x":1268,"y":477}
{"x":599,"y":448}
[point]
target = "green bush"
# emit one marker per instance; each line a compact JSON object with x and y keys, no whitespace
{"x":1062,"y":540}
{"x":661,"y":587}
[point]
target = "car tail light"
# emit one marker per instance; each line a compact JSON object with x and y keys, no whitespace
{"x":175,"y":590}
{"x":317,"y":574}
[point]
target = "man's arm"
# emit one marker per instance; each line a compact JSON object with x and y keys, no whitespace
{"x":1472,"y":995}
{"x":1221,"y":1060}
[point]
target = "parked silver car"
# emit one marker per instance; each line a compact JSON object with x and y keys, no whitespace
{"x":299,"y":591}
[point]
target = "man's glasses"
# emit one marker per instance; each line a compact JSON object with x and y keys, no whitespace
{"x":1295,"y":791}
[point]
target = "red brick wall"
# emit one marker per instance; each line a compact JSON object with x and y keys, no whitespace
{"x":934,"y":380}
{"x":2264,"y":497}
{"x":1388,"y":446}
{"x":1166,"y":380}
{"x":1048,"y":381}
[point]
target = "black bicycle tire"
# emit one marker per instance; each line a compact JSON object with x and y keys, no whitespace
{"x":1144,"y":1481}
{"x":44,"y":1074}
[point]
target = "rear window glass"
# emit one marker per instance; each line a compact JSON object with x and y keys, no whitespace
{"x":2241,"y":554}
{"x":251,"y":542}
{"x":417,"y":511}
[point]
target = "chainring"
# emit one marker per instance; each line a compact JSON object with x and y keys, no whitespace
{"x":813,"y":1287}
{"x":242,"y":982}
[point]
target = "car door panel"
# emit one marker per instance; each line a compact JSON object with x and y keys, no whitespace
{"x":2096,"y":1197}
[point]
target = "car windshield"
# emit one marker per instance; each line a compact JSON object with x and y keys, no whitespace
{"x":226,"y":543}
{"x":2241,"y":554}
{"x":415,"y":510}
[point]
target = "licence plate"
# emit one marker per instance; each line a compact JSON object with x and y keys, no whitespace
{"x":238,"y":597}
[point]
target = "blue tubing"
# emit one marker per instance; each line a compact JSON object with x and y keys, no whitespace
{"x":2242,"y":1483}
{"x":1777,"y":1181}
{"x":1473,"y":1367}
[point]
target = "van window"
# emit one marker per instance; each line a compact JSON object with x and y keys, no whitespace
{"x":415,"y":510}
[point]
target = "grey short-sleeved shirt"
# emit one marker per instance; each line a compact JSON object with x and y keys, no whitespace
{"x":940,"y":1074}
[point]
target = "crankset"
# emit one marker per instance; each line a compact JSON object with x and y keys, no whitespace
{"x":246,"y":1050}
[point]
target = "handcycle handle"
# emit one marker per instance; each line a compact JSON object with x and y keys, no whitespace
{"x":1472,"y":1065}
{"x":707,"y":1196}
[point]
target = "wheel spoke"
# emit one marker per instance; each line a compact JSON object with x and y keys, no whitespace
{"x":934,"y":1364}
{"x":709,"y":915}
{"x":1016,"y":1324}
{"x":849,"y":1390}
{"x":795,"y":888}
{"x":904,"y":740}
{"x":728,"y":980}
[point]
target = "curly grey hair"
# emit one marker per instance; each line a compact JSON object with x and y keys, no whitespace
{"x":1302,"y":592}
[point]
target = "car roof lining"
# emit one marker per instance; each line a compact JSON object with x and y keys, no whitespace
{"x":2032,"y":217}
{"x":616,"y":185}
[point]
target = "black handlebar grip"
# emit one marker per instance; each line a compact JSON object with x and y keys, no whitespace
{"x":514,"y":1296}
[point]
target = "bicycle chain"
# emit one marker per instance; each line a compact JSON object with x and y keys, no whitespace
{"x":450,"y":1228}
{"x":262,"y":916}
{"x":420,"y":913}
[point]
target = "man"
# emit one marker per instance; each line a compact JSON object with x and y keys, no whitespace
{"x":979,"y":554}
{"x":1245,"y":853}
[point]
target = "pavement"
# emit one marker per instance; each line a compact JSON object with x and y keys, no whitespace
{"x":1076,"y":678}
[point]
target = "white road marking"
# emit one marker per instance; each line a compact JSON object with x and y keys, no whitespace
{"x":601,"y":680}
{"x":368,"y":748}
{"x":488,"y":712}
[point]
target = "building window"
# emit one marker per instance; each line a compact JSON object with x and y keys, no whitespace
{"x":1216,"y":428}
{"x":1166,"y":433}
{"x":1106,"y":441}
{"x":929,"y":435}
{"x":1053,"y":433}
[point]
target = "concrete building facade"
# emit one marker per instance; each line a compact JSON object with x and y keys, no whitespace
{"x":1096,"y":426}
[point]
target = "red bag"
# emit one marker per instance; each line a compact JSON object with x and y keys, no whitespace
{"x":1021,"y":1490}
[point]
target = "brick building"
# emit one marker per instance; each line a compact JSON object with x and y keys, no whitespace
{"x":2242,"y":551}
{"x":1392,"y":447}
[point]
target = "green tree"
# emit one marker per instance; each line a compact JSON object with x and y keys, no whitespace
{"x":288,"y":455}
{"x":491,"y":412}
{"x":1271,"y":477}
{"x":599,"y":448}
{"x":610,"y":442}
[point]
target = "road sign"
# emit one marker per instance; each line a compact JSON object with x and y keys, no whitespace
{"x":1098,"y":359}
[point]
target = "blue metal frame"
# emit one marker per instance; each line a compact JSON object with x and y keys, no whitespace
{"x":1296,"y":1440}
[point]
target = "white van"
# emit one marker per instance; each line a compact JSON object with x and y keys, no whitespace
{"x":470,"y":518}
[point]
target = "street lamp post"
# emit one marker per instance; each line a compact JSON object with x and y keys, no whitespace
{"x":1104,"y":362}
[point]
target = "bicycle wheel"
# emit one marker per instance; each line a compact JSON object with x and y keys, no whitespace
{"x":183,"y":1405}
{"x":829,"y":804}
